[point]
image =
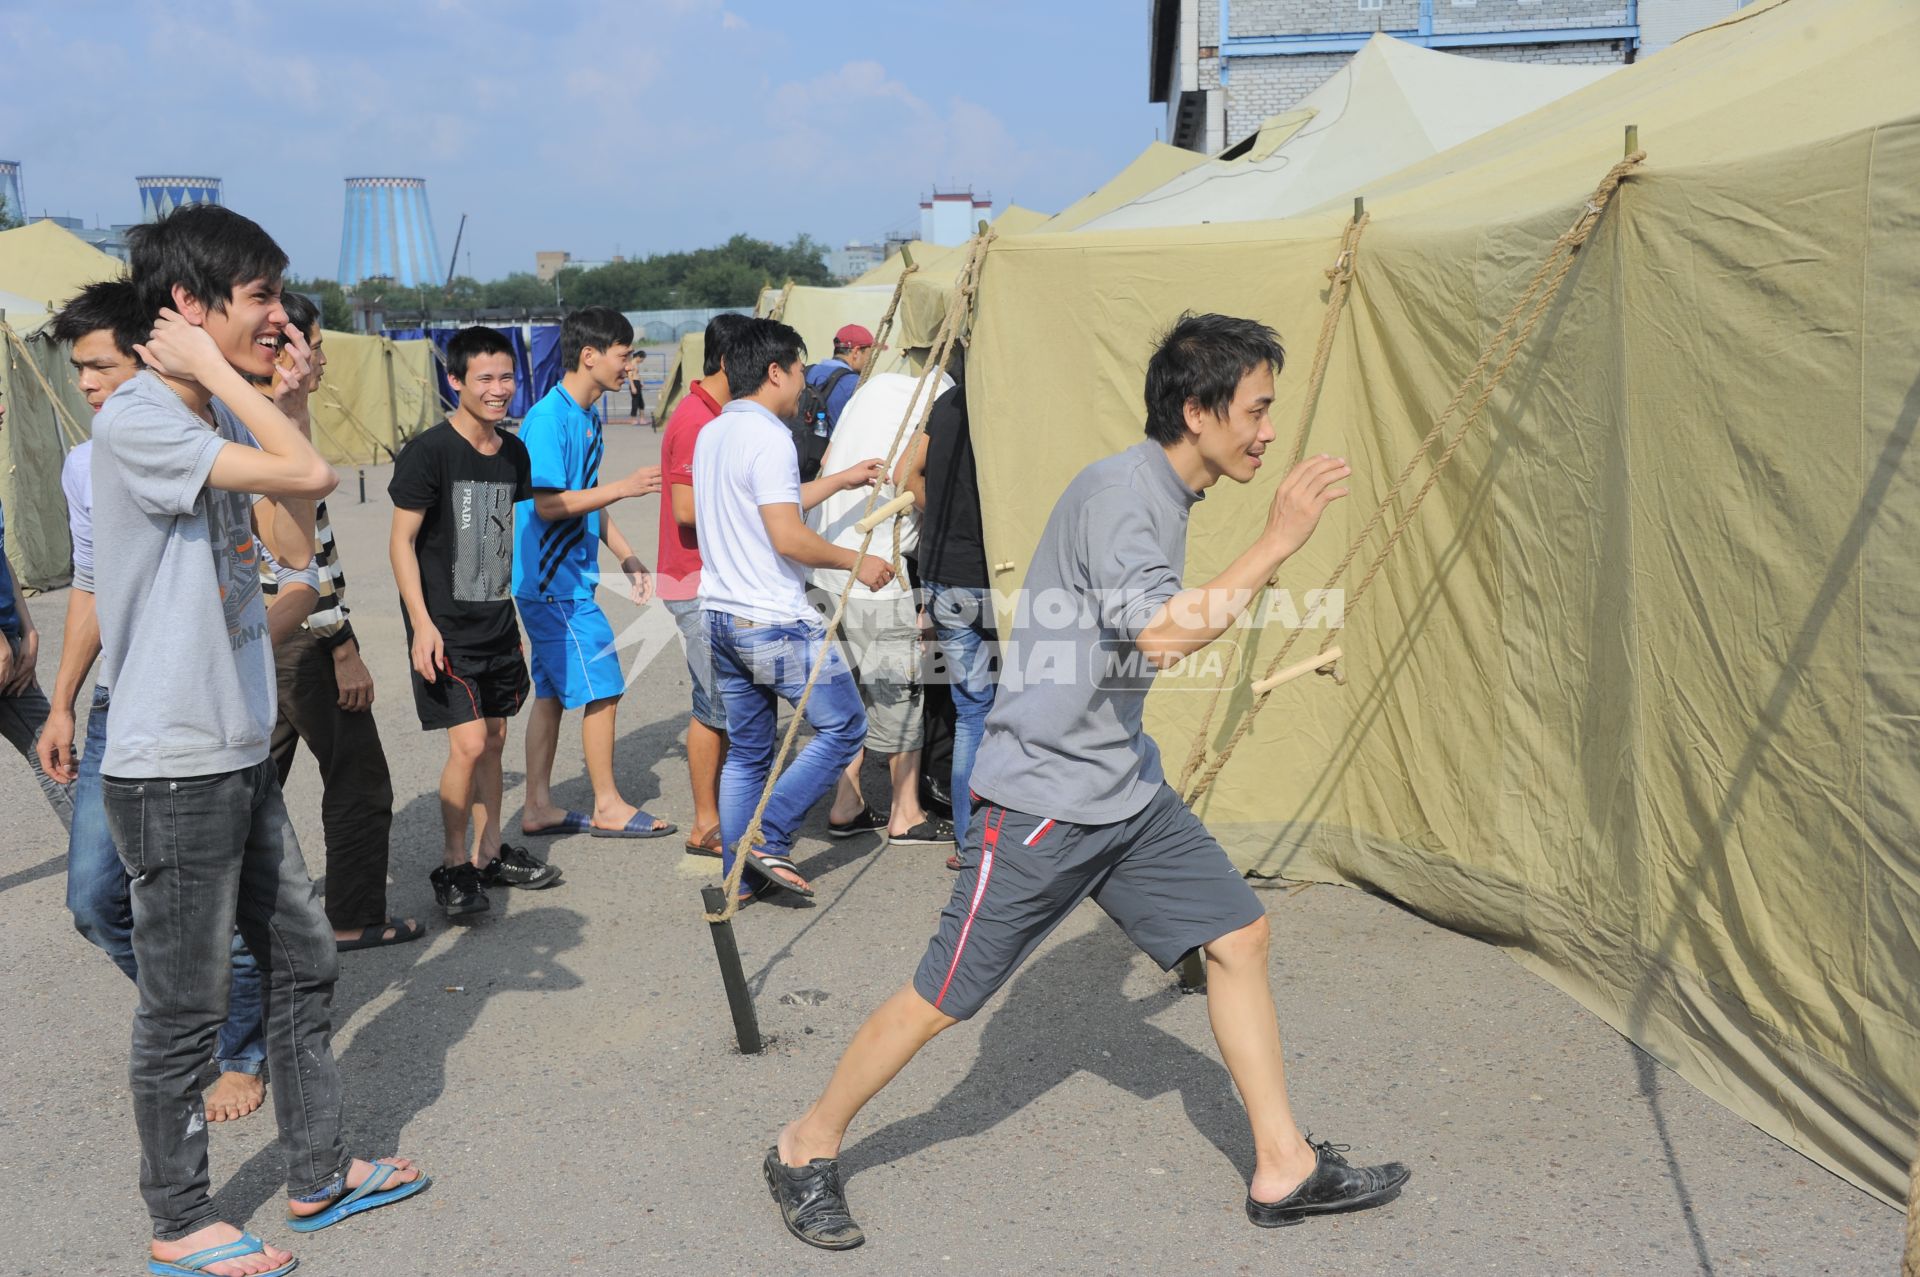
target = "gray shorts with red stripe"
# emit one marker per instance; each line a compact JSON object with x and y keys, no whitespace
{"x":1158,"y":873}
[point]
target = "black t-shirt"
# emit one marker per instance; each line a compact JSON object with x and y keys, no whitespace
{"x":952,"y":549}
{"x":465,"y":544}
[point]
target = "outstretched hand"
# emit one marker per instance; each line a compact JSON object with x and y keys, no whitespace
{"x":1303,"y":497}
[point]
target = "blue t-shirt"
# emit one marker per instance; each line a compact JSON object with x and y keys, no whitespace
{"x":842,"y":389}
{"x":558,"y":559}
{"x":9,"y":613}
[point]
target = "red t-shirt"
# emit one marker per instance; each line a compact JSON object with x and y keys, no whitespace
{"x":677,"y":574}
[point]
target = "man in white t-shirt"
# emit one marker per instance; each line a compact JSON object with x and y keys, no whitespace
{"x":756,"y":550}
{"x":880,"y":632}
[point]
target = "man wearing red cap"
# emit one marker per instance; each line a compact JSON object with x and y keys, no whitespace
{"x":837,"y":378}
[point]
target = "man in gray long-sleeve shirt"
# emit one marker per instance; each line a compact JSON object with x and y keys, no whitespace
{"x":1072,"y":802}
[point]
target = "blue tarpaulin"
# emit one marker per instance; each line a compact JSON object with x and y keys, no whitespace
{"x":536,"y":364}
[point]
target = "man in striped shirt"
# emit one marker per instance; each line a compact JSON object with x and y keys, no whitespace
{"x":326,"y":700}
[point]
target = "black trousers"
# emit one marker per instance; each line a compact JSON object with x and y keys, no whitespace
{"x":356,"y":791}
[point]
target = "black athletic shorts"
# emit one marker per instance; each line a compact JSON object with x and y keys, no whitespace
{"x":1158,"y":873}
{"x":472,"y":687}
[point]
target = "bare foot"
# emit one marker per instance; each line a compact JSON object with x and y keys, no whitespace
{"x":357,"y":1173}
{"x":616,"y":816}
{"x":213,"y":1235}
{"x":231,"y":1097}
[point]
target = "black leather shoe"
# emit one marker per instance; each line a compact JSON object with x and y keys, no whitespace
{"x":812,"y":1202}
{"x":1335,"y":1186}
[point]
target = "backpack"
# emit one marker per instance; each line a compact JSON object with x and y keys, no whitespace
{"x":811,"y":424}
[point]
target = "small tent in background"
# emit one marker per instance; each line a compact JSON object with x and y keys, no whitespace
{"x":818,"y":313}
{"x":1391,"y":105}
{"x":1635,"y":698}
{"x":41,"y":266}
{"x":688,"y":362}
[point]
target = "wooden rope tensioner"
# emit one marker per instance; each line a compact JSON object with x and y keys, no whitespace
{"x":1498,"y":355}
{"x":911,"y":426}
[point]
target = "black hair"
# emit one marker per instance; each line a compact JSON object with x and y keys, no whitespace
{"x":207,"y":249}
{"x":760,"y":344}
{"x":1201,"y":360}
{"x":477,"y":340}
{"x":111,"y":304}
{"x":721,"y":331}
{"x":601,"y":327}
{"x":301,"y":312}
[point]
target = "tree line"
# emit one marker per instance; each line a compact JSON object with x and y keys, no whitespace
{"x":729,"y":274}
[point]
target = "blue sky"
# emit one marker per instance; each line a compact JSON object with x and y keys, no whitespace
{"x":567,"y":124}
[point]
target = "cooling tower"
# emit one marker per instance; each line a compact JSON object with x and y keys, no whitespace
{"x":10,"y":190}
{"x":161,"y":195}
{"x":388,"y":231}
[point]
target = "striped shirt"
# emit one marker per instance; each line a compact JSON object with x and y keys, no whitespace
{"x":329,"y":617}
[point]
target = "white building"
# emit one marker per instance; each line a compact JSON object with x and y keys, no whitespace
{"x":948,"y":217}
{"x":1277,"y":51}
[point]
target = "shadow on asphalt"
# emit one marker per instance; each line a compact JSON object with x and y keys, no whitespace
{"x":1058,"y":1010}
{"x":395,"y":1066}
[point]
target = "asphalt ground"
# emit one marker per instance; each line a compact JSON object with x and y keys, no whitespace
{"x":565,"y":1066}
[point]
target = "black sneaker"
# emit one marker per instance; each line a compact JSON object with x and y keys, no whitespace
{"x":812,"y":1202}
{"x":459,"y":890}
{"x":514,"y":867}
{"x":931,"y":832}
{"x":1335,"y":1186}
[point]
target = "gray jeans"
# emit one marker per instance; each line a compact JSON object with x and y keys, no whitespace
{"x":205,"y":852}
{"x":21,"y":718}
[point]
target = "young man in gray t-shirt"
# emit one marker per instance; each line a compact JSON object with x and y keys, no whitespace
{"x":190,"y":793}
{"x":1072,"y":802}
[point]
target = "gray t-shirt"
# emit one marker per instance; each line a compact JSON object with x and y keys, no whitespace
{"x":183,"y":631}
{"x":1064,"y":738}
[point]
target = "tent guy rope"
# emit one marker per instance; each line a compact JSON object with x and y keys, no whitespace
{"x":1504,"y":346}
{"x":1339,"y":282}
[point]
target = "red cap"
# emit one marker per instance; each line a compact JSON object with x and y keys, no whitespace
{"x":853,"y":335}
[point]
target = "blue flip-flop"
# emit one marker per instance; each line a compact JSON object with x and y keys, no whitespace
{"x":366,"y":1197}
{"x":196,"y":1264}
{"x":641,"y":826}
{"x":571,"y":823}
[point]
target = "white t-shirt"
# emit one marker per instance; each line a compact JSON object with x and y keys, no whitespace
{"x":744,"y":459}
{"x":866,"y":428}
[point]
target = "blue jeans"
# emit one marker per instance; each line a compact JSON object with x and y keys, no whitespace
{"x":755,"y":667}
{"x":963,"y":626}
{"x":102,"y":907}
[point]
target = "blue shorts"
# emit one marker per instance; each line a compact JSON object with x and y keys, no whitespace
{"x":574,"y":660}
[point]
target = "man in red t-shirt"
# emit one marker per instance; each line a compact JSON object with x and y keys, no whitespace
{"x":677,"y":579}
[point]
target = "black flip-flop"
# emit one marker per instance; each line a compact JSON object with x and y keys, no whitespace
{"x":764,"y":861}
{"x":374,"y":936}
{"x":866,"y":822}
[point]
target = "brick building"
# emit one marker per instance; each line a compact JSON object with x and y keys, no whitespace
{"x":1278,"y":51}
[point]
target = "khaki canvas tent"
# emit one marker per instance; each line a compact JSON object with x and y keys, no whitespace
{"x":1152,"y":168}
{"x":1391,"y":105}
{"x":41,"y":266}
{"x":1637,"y":696}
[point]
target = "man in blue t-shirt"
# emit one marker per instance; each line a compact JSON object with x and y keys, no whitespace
{"x":556,"y":569}
{"x":839,"y":376}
